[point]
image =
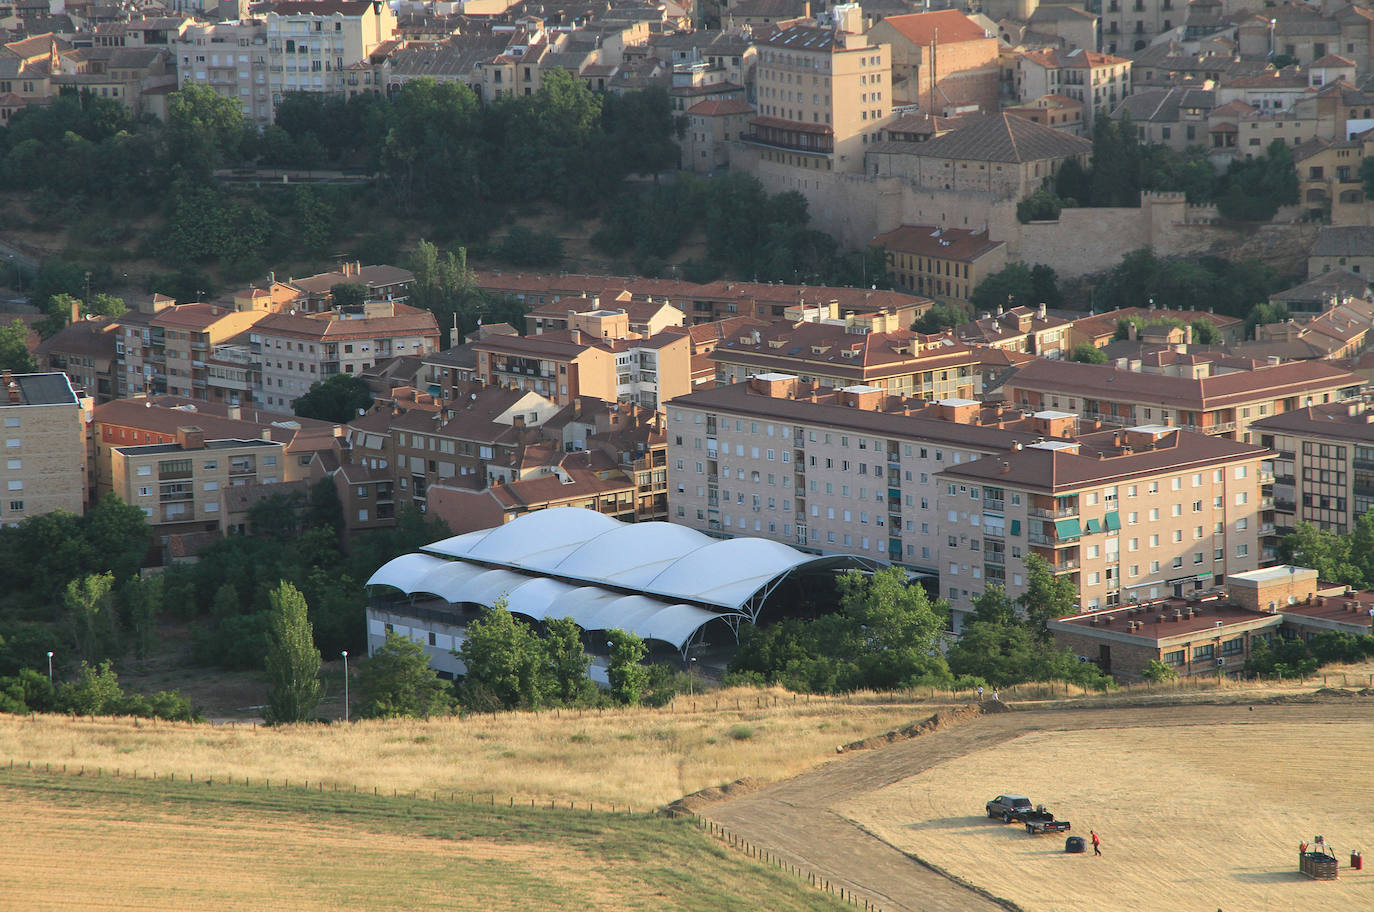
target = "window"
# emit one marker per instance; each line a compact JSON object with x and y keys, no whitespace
{"x":12,"y":421}
{"x":1174,"y":658}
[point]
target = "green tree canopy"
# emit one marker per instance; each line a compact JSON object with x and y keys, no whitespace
{"x":14,"y":347}
{"x":340,"y":398}
{"x":1088,"y":354}
{"x":398,"y":682}
{"x":1047,"y":597}
{"x":505,"y":664}
{"x":293,"y":662}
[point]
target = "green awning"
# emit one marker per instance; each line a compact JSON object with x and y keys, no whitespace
{"x":1203,"y":576}
{"x":1016,"y":527}
{"x":1092,"y":526}
{"x":1067,"y":528}
{"x":1112,"y":521}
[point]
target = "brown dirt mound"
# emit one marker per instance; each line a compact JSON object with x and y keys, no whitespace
{"x":941,"y":720}
{"x":688,"y":805}
{"x":1336,"y":692}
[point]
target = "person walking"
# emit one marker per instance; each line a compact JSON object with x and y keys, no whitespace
{"x":980,"y":693}
{"x":1097,"y":843}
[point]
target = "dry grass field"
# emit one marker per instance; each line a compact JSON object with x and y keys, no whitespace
{"x":1192,"y":817}
{"x":92,"y":843}
{"x":635,"y":757}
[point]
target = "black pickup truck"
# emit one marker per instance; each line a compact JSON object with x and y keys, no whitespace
{"x":1041,"y":821}
{"x":1009,"y":807}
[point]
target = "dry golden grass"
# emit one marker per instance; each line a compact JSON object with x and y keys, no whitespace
{"x":1191,"y":817}
{"x":84,"y":842}
{"x":636,"y":757}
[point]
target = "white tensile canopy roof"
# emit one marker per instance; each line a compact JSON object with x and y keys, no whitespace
{"x":651,"y":579}
{"x":656,"y":558}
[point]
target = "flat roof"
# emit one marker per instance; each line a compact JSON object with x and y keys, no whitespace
{"x":1269,"y":574}
{"x":151,"y":449}
{"x":40,"y":389}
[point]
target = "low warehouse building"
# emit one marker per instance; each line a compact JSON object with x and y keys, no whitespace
{"x":666,"y":583}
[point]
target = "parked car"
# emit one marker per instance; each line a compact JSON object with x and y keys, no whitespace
{"x":1040,"y":821}
{"x":1009,"y":807}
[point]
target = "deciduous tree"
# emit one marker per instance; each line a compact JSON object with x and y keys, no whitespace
{"x":398,"y":682}
{"x":293,"y":662}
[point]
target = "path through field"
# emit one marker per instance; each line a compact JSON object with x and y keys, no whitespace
{"x":1200,"y":806}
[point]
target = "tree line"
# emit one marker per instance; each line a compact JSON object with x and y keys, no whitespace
{"x":438,"y":154}
{"x":1249,"y":189}
{"x":888,"y":634}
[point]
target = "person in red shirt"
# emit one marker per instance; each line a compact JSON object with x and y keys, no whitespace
{"x":1097,"y":843}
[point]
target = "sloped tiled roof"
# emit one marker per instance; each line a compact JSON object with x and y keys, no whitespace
{"x":952,"y":26}
{"x":1003,"y":138}
{"x":1344,"y":240}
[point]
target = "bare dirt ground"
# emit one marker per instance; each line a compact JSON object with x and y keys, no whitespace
{"x":1200,"y":807}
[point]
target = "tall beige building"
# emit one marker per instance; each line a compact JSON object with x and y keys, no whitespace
{"x":311,"y":43}
{"x":823,"y":96}
{"x":179,"y":486}
{"x":964,"y":491}
{"x":231,"y":59}
{"x":45,"y":447}
{"x":1131,"y":515}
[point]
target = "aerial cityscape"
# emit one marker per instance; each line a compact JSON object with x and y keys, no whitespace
{"x":632,"y":454}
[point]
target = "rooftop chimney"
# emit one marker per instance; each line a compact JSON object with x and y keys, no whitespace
{"x":190,"y":438}
{"x":234,"y":413}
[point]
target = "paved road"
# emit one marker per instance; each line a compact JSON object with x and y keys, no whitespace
{"x":796,"y":819}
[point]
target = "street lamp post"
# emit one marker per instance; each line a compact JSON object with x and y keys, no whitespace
{"x":692,"y":677}
{"x":50,"y":666}
{"x":345,"y":658}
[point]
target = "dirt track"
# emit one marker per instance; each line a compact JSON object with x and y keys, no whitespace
{"x":800,"y":822}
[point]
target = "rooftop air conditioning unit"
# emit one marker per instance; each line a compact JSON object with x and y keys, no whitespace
{"x":1220,"y":662}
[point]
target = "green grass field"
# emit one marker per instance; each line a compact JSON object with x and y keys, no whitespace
{"x":89,"y":842}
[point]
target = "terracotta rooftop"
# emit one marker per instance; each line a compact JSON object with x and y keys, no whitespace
{"x":1336,"y":421}
{"x":946,"y":26}
{"x":1101,"y":381}
{"x":1097,"y":459}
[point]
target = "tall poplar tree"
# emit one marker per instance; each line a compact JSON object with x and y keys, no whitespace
{"x":293,"y":662}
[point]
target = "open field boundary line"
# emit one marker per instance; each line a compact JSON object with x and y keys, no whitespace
{"x":435,"y":796}
{"x":814,"y":879}
{"x":936,"y":869}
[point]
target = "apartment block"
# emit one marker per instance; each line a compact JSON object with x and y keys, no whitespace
{"x":565,"y":364}
{"x":1323,"y":471}
{"x":1218,"y":396}
{"x":1129,"y":515}
{"x":296,"y":351}
{"x":823,"y":96}
{"x":231,"y":59}
{"x":1098,"y":81}
{"x":895,"y":360}
{"x":312,"y":43}
{"x":144,"y":420}
{"x":834,"y":471}
{"x":177,"y":485}
{"x":45,"y":447}
{"x":85,"y":351}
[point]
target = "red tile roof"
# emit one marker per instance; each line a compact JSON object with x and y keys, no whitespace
{"x":952,"y":26}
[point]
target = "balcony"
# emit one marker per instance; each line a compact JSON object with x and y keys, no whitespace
{"x":994,"y":557}
{"x":993,"y":505}
{"x":1064,"y":566}
{"x":1365,"y":465}
{"x":1061,"y":513}
{"x":1266,"y":529}
{"x":994,"y":532}
{"x":1039,"y":538}
{"x":1282,"y":506}
{"x":1266,"y":477}
{"x":1266,"y":503}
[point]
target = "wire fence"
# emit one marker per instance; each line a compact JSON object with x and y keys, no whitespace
{"x":768,"y":857}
